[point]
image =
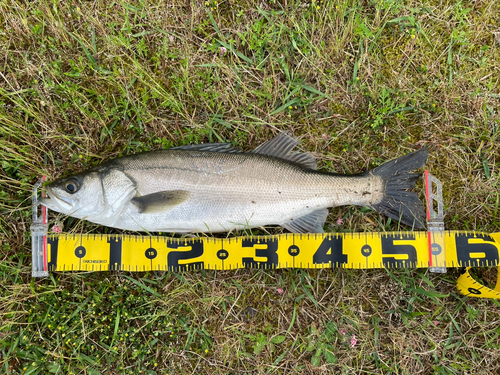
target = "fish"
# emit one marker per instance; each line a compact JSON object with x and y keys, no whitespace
{"x":215,"y":187}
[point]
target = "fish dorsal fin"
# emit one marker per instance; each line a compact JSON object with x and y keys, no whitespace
{"x":281,"y":147}
{"x":213,"y":147}
{"x":304,"y":159}
{"x":160,"y":201}
{"x":310,"y":223}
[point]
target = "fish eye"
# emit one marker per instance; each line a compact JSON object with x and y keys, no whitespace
{"x":72,"y":185}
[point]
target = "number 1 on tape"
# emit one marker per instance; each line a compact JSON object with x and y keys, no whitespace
{"x":98,"y":252}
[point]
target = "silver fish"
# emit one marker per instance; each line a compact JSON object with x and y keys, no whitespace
{"x":215,"y":187}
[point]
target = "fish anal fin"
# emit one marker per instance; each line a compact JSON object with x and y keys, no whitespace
{"x":310,"y":223}
{"x":281,"y":147}
{"x":160,"y":201}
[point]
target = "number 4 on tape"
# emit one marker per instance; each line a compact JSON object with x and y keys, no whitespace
{"x":106,"y":252}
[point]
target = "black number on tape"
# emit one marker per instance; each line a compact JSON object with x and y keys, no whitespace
{"x":474,"y":291}
{"x":436,"y":249}
{"x":389,"y":247}
{"x":481,"y":254}
{"x":269,"y":253}
{"x":151,"y":253}
{"x":173,"y":257}
{"x":80,"y":252}
{"x":222,"y":254}
{"x":293,"y":250}
{"x":330,"y":250}
{"x":366,"y":250}
{"x":54,"y":245}
{"x":115,"y":253}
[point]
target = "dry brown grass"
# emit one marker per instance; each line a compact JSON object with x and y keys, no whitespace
{"x":81,"y":82}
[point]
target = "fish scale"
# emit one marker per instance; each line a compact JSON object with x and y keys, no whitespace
{"x":217,"y":188}
{"x":233,"y":190}
{"x":434,"y":248}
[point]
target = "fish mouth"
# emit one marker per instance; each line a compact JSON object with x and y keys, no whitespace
{"x":55,"y":203}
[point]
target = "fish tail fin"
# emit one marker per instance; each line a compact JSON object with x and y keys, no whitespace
{"x":398,"y":203}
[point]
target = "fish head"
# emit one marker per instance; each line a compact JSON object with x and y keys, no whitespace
{"x":95,"y":195}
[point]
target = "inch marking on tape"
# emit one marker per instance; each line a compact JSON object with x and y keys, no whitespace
{"x":435,"y":249}
{"x":345,"y":250}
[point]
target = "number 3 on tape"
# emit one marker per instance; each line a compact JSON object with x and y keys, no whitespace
{"x":71,"y":252}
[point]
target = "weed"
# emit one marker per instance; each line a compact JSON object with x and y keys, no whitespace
{"x":360,"y":82}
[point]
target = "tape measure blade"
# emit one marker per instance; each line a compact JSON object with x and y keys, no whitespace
{"x":467,"y":286}
{"x":346,"y":250}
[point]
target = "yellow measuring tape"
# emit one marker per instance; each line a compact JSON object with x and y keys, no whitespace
{"x":435,"y":249}
{"x":99,"y":252}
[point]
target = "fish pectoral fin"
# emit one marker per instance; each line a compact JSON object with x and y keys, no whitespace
{"x":160,"y":201}
{"x":310,"y":223}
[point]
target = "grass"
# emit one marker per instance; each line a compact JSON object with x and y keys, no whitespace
{"x":360,"y":82}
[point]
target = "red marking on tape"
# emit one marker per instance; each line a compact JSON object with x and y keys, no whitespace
{"x":44,"y":213}
{"x":427,"y":194}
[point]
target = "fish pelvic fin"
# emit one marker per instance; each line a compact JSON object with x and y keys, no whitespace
{"x":397,"y":202}
{"x":310,"y":223}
